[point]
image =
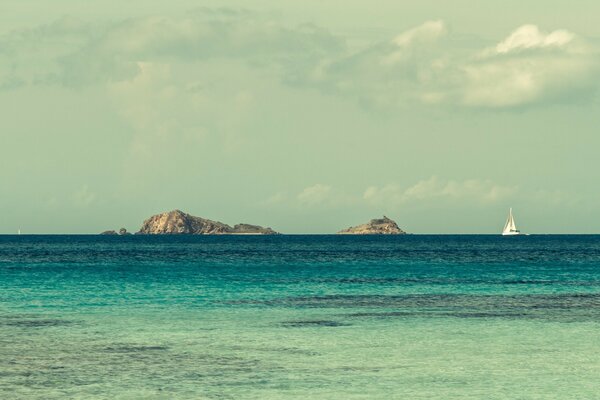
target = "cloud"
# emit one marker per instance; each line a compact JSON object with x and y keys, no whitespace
{"x":433,"y":191}
{"x":477,"y":190}
{"x":530,"y":67}
{"x":197,"y":38}
{"x":412,"y":67}
{"x":31,"y":56}
{"x":72,"y":52}
{"x":195,"y":115}
{"x":415,"y":39}
{"x":470,"y":191}
{"x":530,"y":37}
{"x":483,"y":191}
{"x":423,"y":65}
{"x":316,"y":194}
{"x":430,"y":31}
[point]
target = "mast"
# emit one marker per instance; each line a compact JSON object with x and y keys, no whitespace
{"x":510,"y":228}
{"x":513,"y":227}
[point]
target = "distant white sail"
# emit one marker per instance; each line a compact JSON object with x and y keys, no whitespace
{"x":510,"y":228}
{"x":506,"y":226}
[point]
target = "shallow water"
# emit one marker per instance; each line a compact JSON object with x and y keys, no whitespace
{"x":333,"y":317}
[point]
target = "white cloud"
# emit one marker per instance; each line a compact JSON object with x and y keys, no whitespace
{"x":530,"y":36}
{"x":411,"y":42}
{"x":316,"y":194}
{"x":471,"y":190}
{"x":422,"y":66}
{"x":434,"y":190}
{"x":530,"y":67}
{"x":478,"y":190}
{"x":428,"y":32}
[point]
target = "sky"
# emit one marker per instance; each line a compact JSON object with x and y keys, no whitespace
{"x":306,"y":116}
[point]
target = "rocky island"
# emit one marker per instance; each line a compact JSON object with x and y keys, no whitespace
{"x":382,"y":226}
{"x":122,"y":232}
{"x":177,"y":222}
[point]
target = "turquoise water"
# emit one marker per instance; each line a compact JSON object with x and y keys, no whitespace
{"x":297,"y":317}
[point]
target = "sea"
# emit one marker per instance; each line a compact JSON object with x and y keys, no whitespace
{"x":300,"y":317}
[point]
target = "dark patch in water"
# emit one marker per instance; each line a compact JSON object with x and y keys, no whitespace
{"x":488,"y":314}
{"x":381,"y":314}
{"x":434,"y":313}
{"x":134,"y":348}
{"x":579,"y":307}
{"x":289,"y":350}
{"x":432,"y":300}
{"x":318,"y":322}
{"x":450,"y":281}
{"x":35,"y":323}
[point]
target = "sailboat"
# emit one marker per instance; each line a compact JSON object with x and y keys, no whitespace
{"x":510,"y":229}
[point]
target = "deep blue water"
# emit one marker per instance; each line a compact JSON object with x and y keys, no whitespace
{"x":323,"y":316}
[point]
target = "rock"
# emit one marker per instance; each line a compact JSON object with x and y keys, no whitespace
{"x":177,"y":222}
{"x":248,"y":229}
{"x":121,"y":232}
{"x":383,"y":226}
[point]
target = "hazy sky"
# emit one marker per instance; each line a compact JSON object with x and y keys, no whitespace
{"x":306,"y":116}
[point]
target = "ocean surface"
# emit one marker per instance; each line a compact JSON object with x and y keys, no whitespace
{"x":300,"y":317}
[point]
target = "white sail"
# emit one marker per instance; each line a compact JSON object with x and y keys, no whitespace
{"x":510,"y":228}
{"x":506,"y":227}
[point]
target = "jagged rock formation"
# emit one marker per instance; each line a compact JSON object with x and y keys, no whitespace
{"x":177,"y":222}
{"x":383,"y":226}
{"x":249,"y":229}
{"x":121,"y":232}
